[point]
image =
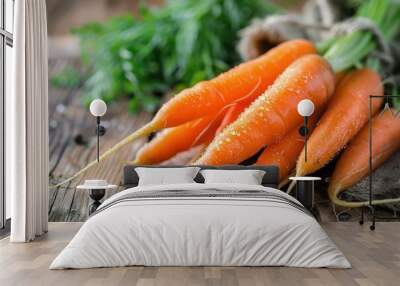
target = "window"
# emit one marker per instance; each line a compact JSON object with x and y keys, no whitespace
{"x":6,"y":44}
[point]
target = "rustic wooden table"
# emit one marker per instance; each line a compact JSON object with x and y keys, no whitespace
{"x":73,"y":144}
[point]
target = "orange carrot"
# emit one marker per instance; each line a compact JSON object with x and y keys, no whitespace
{"x":171,"y":141}
{"x":353,"y":164}
{"x":198,"y":153}
{"x":285,"y":153}
{"x":210,"y":96}
{"x":271,"y":116}
{"x":232,"y":114}
{"x":346,"y":114}
{"x":339,"y":76}
{"x":249,"y":79}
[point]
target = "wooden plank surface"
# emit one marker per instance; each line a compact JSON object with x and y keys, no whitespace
{"x":374,"y":255}
{"x":69,"y":120}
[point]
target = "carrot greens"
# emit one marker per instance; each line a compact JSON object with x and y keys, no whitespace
{"x":346,"y":51}
{"x":165,"y":48}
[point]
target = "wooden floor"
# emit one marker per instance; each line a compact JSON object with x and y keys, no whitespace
{"x":375,"y":257}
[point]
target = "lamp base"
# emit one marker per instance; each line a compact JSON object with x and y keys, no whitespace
{"x":305,"y":193}
{"x":96,"y":195}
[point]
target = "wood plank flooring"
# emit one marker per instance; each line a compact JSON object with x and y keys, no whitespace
{"x":375,"y":257}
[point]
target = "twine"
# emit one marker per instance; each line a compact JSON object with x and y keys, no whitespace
{"x":359,"y":24}
{"x":272,"y":28}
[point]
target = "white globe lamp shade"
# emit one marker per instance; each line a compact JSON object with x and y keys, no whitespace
{"x":305,"y":107}
{"x":98,"y":107}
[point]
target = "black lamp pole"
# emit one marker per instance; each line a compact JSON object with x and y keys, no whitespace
{"x":98,"y":138}
{"x":303,"y":130}
{"x":100,"y":131}
{"x":305,"y":137}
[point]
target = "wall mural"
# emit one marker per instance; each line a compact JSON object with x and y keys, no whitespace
{"x":213,"y":83}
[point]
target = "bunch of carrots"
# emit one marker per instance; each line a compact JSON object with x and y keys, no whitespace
{"x":253,"y":107}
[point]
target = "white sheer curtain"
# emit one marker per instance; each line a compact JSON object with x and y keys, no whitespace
{"x":27,"y":124}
